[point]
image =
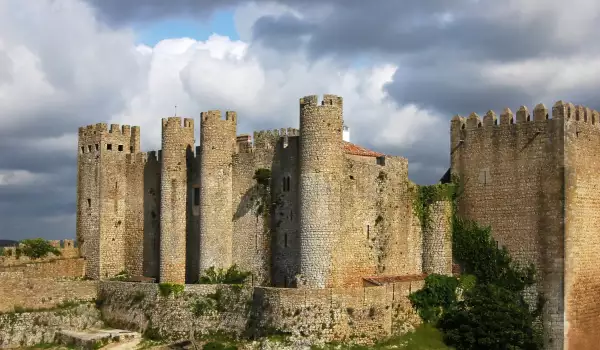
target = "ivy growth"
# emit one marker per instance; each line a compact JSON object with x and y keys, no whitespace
{"x":427,"y":195}
{"x":486,"y":306}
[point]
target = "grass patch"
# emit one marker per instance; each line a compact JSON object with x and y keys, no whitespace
{"x":425,"y":337}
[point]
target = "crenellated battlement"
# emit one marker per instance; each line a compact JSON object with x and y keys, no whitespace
{"x":270,"y":138}
{"x":93,"y":129}
{"x":215,"y":115}
{"x":171,"y":122}
{"x":560,"y":110}
{"x":328,"y":100}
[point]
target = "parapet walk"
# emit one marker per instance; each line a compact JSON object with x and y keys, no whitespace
{"x":560,"y":110}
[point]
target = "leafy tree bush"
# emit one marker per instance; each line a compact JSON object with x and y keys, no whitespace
{"x":233,"y":275}
{"x":37,"y":248}
{"x":491,"y":317}
{"x":485,"y":308}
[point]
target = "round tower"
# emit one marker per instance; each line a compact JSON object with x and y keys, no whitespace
{"x":321,"y":160}
{"x":437,"y":239}
{"x":217,"y":146}
{"x":177,"y":143}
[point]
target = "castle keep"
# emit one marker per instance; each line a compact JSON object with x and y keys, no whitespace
{"x":338,"y":214}
{"x":534,"y":180}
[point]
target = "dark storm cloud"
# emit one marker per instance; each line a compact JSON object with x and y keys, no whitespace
{"x":121,"y":12}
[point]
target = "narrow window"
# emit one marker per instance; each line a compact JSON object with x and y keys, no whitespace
{"x":96,"y":147}
{"x":283,"y":184}
{"x":288,"y":182}
{"x":89,"y":202}
{"x":120,"y":148}
{"x":116,"y":185}
{"x":82,"y":150}
{"x":368,"y":232}
{"x":89,"y":148}
{"x":196,"y":196}
{"x":109,"y":146}
{"x":131,"y":149}
{"x":285,"y":240}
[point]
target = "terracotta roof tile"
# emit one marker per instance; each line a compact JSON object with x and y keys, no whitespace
{"x":350,"y":148}
{"x":381,"y":280}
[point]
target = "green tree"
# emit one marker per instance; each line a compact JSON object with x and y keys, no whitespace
{"x":490,"y":317}
{"x":37,"y":248}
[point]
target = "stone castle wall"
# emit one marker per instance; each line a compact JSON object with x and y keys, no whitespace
{"x":177,"y":150}
{"x":28,"y":329}
{"x":208,"y":218}
{"x":582,"y":219}
{"x":512,"y":173}
{"x":218,"y":144}
{"x":364,"y":313}
{"x":437,"y":240}
{"x":319,"y":191}
{"x":67,"y":249}
{"x":40,"y":292}
{"x":73,"y":267}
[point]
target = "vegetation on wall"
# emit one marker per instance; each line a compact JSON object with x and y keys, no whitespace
{"x":36,"y":248}
{"x":167,"y":289}
{"x":426,"y":196}
{"x":485,"y":307}
{"x":232,"y":275}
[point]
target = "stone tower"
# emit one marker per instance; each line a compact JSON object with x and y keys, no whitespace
{"x":101,"y":195}
{"x":321,"y":159}
{"x":177,"y":143}
{"x":217,"y":145}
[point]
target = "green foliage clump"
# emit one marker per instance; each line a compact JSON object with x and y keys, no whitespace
{"x":427,"y":195}
{"x":485,"y":308}
{"x":262,"y":198}
{"x":439,"y":295}
{"x":204,"y":306}
{"x":233,"y":275}
{"x":167,"y":289}
{"x":491,"y":317}
{"x":36,"y":248}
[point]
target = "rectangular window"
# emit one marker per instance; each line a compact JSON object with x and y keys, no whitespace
{"x":109,"y":146}
{"x":120,"y":148}
{"x":285,"y":240}
{"x":89,"y":202}
{"x":196,"y":196}
{"x":96,"y":147}
{"x":82,"y":150}
{"x":89,"y":148}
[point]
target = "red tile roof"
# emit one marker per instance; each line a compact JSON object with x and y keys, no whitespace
{"x":381,"y":280}
{"x":350,"y":148}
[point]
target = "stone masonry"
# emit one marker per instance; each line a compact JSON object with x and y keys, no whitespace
{"x":337,"y":213}
{"x":534,"y":180}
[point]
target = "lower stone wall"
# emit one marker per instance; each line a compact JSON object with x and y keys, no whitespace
{"x":361,"y":314}
{"x":198,"y":310}
{"x":21,"y":292}
{"x":18,"y":330}
{"x":74,"y":267}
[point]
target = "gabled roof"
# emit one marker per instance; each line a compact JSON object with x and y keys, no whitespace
{"x":350,"y":148}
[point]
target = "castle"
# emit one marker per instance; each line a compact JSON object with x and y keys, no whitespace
{"x":339,"y":214}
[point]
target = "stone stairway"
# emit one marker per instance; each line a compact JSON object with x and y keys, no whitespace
{"x":99,"y":338}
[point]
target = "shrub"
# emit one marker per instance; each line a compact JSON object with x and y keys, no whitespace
{"x":232,"y":275}
{"x":36,"y":248}
{"x":167,"y":289}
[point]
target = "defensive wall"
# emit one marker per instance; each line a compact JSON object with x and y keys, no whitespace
{"x":69,"y":268}
{"x":67,"y":249}
{"x":17,"y":290}
{"x":360,"y":313}
{"x":533,"y":180}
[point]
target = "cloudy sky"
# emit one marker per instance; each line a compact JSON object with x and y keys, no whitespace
{"x":403,"y":67}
